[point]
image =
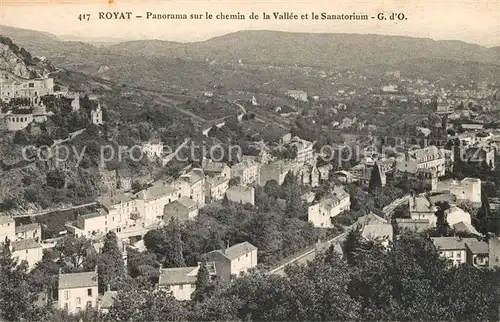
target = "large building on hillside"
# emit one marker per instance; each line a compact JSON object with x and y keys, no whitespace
{"x":427,"y":158}
{"x":13,"y":86}
{"x":320,"y":213}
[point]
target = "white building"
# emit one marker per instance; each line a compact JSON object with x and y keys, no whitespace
{"x":320,"y":214}
{"x":234,"y":261}
{"x":96,"y":115}
{"x":247,"y":170}
{"x":181,"y":281}
{"x":276,"y":171}
{"x":92,"y":226}
{"x":121,"y":211}
{"x":151,"y":202}
{"x":29,"y":231}
{"x":422,"y":208}
{"x":7,"y":229}
{"x":77,"y":291}
{"x":13,"y":86}
{"x":241,"y":194}
{"x":192,"y":185}
{"x":469,"y":189}
{"x":28,"y":250}
{"x":215,"y":188}
{"x":426,"y":158}
{"x":153,"y":148}
{"x":305,"y":152}
{"x":455,"y":215}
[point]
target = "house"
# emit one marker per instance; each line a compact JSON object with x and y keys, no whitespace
{"x":77,"y":291}
{"x":7,"y":229}
{"x":417,"y":225}
{"x":241,"y":194}
{"x":455,"y":215}
{"x":298,"y":95}
{"x":29,"y":231}
{"x":247,"y":170}
{"x":96,"y":115}
{"x":29,"y":250}
{"x":183,"y":209}
{"x":421,"y":207}
{"x":320,"y":214}
{"x":324,"y":171}
{"x":13,"y":86}
{"x":181,"y":281}
{"x":480,"y":154}
{"x":234,"y":261}
{"x":192,"y":185}
{"x":308,"y":175}
{"x":452,"y":248}
{"x":92,"y":225}
{"x":304,"y":149}
{"x":152,"y":200}
{"x":376,"y":228}
{"x":107,"y":300}
{"x":153,"y":148}
{"x":121,"y":211}
{"x":276,"y":171}
{"x":469,"y":189}
{"x":213,"y":169}
{"x":428,"y":158}
{"x":477,"y":253}
{"x":215,"y":188}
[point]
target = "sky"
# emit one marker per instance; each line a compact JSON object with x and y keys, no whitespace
{"x":474,"y":21}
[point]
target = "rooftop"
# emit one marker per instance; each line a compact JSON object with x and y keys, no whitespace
{"x":241,"y":188}
{"x":211,"y":166}
{"x":237,"y":250}
{"x":158,"y":189}
{"x":448,"y":243}
{"x":77,"y":280}
{"x":477,"y":246}
{"x":28,"y":227}
{"x":6,"y":219}
{"x":114,"y":200}
{"x":25,"y":244}
{"x":183,"y":275}
{"x":185,"y":202}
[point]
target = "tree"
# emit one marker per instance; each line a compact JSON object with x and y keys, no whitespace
{"x":76,"y":254}
{"x":351,"y":244}
{"x":375,"y":179}
{"x":109,"y":262}
{"x":174,"y":256}
{"x":202,"y":283}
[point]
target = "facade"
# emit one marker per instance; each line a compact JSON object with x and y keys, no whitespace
{"x":241,"y":194}
{"x":96,"y":115}
{"x":29,"y":231}
{"x":77,"y":291}
{"x":192,"y":185}
{"x":183,"y":209}
{"x":29,"y":250}
{"x":215,"y":188}
{"x":13,"y":86}
{"x":121,"y":211}
{"x":417,"y":225}
{"x":422,"y":208}
{"x":452,"y":248}
{"x":216,"y":169}
{"x":234,"y":261}
{"x":247,"y":170}
{"x":181,"y":281}
{"x":469,"y":189}
{"x":153,"y":148}
{"x":305,"y":151}
{"x":152,"y":200}
{"x":426,"y":158}
{"x":320,"y":214}
{"x":20,"y":120}
{"x":477,"y":253}
{"x":93,"y":225}
{"x":7,"y":229}
{"x":274,"y":171}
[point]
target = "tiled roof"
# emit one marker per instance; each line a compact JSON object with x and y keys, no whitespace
{"x":24,"y":244}
{"x":212,"y":166}
{"x":238,"y":250}
{"x":186,"y":202}
{"x":111,"y":201}
{"x":77,"y":280}
{"x":193,"y":176}
{"x":477,"y":247}
{"x":28,"y":227}
{"x":466,"y":227}
{"x":178,"y":275}
{"x":158,"y":189}
{"x":448,"y":243}
{"x":240,"y":188}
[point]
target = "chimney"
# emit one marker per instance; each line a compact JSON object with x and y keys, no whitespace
{"x":226,"y":246}
{"x":108,"y":288}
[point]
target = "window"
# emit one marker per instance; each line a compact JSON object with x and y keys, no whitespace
{"x":78,"y":300}
{"x":246,"y":255}
{"x":31,"y":85}
{"x":89,"y":304}
{"x":89,"y":292}
{"x":66,"y":306}
{"x":459,"y":254}
{"x":181,"y":287}
{"x":66,"y":295}
{"x":26,"y":251}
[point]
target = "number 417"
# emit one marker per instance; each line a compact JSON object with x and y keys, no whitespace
{"x":84,"y":16}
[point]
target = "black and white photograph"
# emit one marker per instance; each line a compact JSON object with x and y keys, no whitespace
{"x":213,"y":160}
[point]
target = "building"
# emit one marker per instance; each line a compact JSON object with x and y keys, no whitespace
{"x":96,"y":115}
{"x":469,"y":189}
{"x":214,"y":169}
{"x":298,"y":95}
{"x":107,"y":300}
{"x":22,"y":117}
{"x":29,"y":250}
{"x":152,"y":200}
{"x":121,"y":212}
{"x":417,"y":225}
{"x":426,"y":158}
{"x":494,"y":251}
{"x":455,"y":215}
{"x":320,"y":214}
{"x":29,"y":231}
{"x":153,"y":148}
{"x":13,"y":86}
{"x":181,"y":281}
{"x":452,"y":248}
{"x":422,"y":208}
{"x":276,"y":171}
{"x":376,"y":228}
{"x":466,"y":228}
{"x":92,"y":225}
{"x":7,"y":229}
{"x":477,"y":253}
{"x":183,"y":209}
{"x":234,"y":261}
{"x":77,"y":291}
{"x":241,"y":194}
{"x":215,"y":188}
{"x":247,"y":170}
{"x":480,"y":155}
{"x":192,"y":185}
{"x":304,"y":149}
